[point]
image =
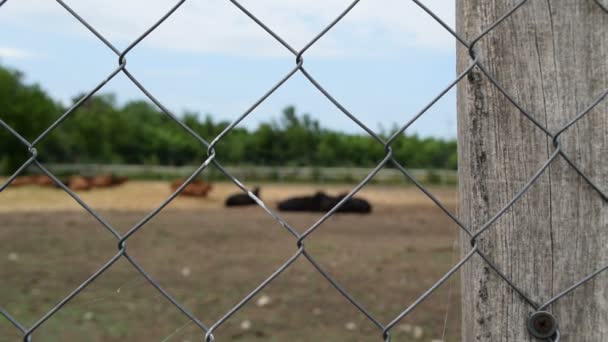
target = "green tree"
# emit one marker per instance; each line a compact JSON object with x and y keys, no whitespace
{"x":102,"y":131}
{"x":28,"y":110}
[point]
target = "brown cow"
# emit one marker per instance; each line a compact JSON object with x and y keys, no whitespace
{"x":78,"y":183}
{"x":202,"y":189}
{"x":102,"y":181}
{"x":119,"y":180}
{"x":105,"y":181}
{"x":23,"y":180}
{"x":196,"y":188}
{"x":43,"y":180}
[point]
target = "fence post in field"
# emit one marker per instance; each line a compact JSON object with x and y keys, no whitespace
{"x":551,"y":57}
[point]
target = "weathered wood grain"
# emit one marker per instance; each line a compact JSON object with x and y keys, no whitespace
{"x":552,"y":57}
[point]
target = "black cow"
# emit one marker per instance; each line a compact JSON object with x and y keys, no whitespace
{"x":242,"y":199}
{"x":353,"y":205}
{"x":318,"y":202}
{"x":321,"y":202}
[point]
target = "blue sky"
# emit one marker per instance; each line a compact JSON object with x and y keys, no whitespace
{"x":384,"y":62}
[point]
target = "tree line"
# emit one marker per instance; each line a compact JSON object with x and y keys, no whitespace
{"x":102,"y":131}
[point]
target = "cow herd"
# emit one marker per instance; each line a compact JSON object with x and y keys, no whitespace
{"x":76,"y":183}
{"x":318,"y":202}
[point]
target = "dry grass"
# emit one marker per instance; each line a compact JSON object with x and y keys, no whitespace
{"x":143,"y":195}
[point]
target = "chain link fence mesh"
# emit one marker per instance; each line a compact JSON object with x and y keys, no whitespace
{"x":384,"y":328}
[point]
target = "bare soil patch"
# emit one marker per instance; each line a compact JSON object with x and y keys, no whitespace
{"x":209,"y":257}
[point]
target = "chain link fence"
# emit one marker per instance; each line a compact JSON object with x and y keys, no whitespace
{"x":384,"y":328}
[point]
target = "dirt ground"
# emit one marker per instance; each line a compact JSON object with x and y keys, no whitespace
{"x":209,"y":258}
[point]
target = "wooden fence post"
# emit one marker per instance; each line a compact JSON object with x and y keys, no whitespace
{"x":552,"y":57}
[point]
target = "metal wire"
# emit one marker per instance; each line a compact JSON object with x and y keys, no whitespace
{"x":384,"y":329}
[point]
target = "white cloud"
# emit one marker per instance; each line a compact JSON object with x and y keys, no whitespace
{"x":217,"y":26}
{"x":13,"y":53}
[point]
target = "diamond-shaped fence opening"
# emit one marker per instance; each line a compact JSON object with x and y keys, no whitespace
{"x":300,"y":252}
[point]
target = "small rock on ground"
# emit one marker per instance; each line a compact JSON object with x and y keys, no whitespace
{"x":417,"y":332}
{"x":263,"y":301}
{"x":246,"y":324}
{"x":350,"y":326}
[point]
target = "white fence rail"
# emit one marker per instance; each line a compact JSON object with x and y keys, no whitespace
{"x":284,"y":173}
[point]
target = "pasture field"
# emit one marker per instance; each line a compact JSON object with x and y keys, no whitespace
{"x":209,"y":257}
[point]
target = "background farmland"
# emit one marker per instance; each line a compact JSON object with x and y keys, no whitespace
{"x":209,"y":256}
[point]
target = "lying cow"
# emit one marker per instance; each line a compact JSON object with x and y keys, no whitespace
{"x":353,"y":205}
{"x":317,"y":202}
{"x":242,"y":199}
{"x":23,"y":181}
{"x":41,"y":180}
{"x":44,"y":180}
{"x":105,"y":181}
{"x":321,"y":202}
{"x":78,"y":183}
{"x":195,"y":188}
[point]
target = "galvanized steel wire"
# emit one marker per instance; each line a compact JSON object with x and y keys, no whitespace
{"x":384,"y":329}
